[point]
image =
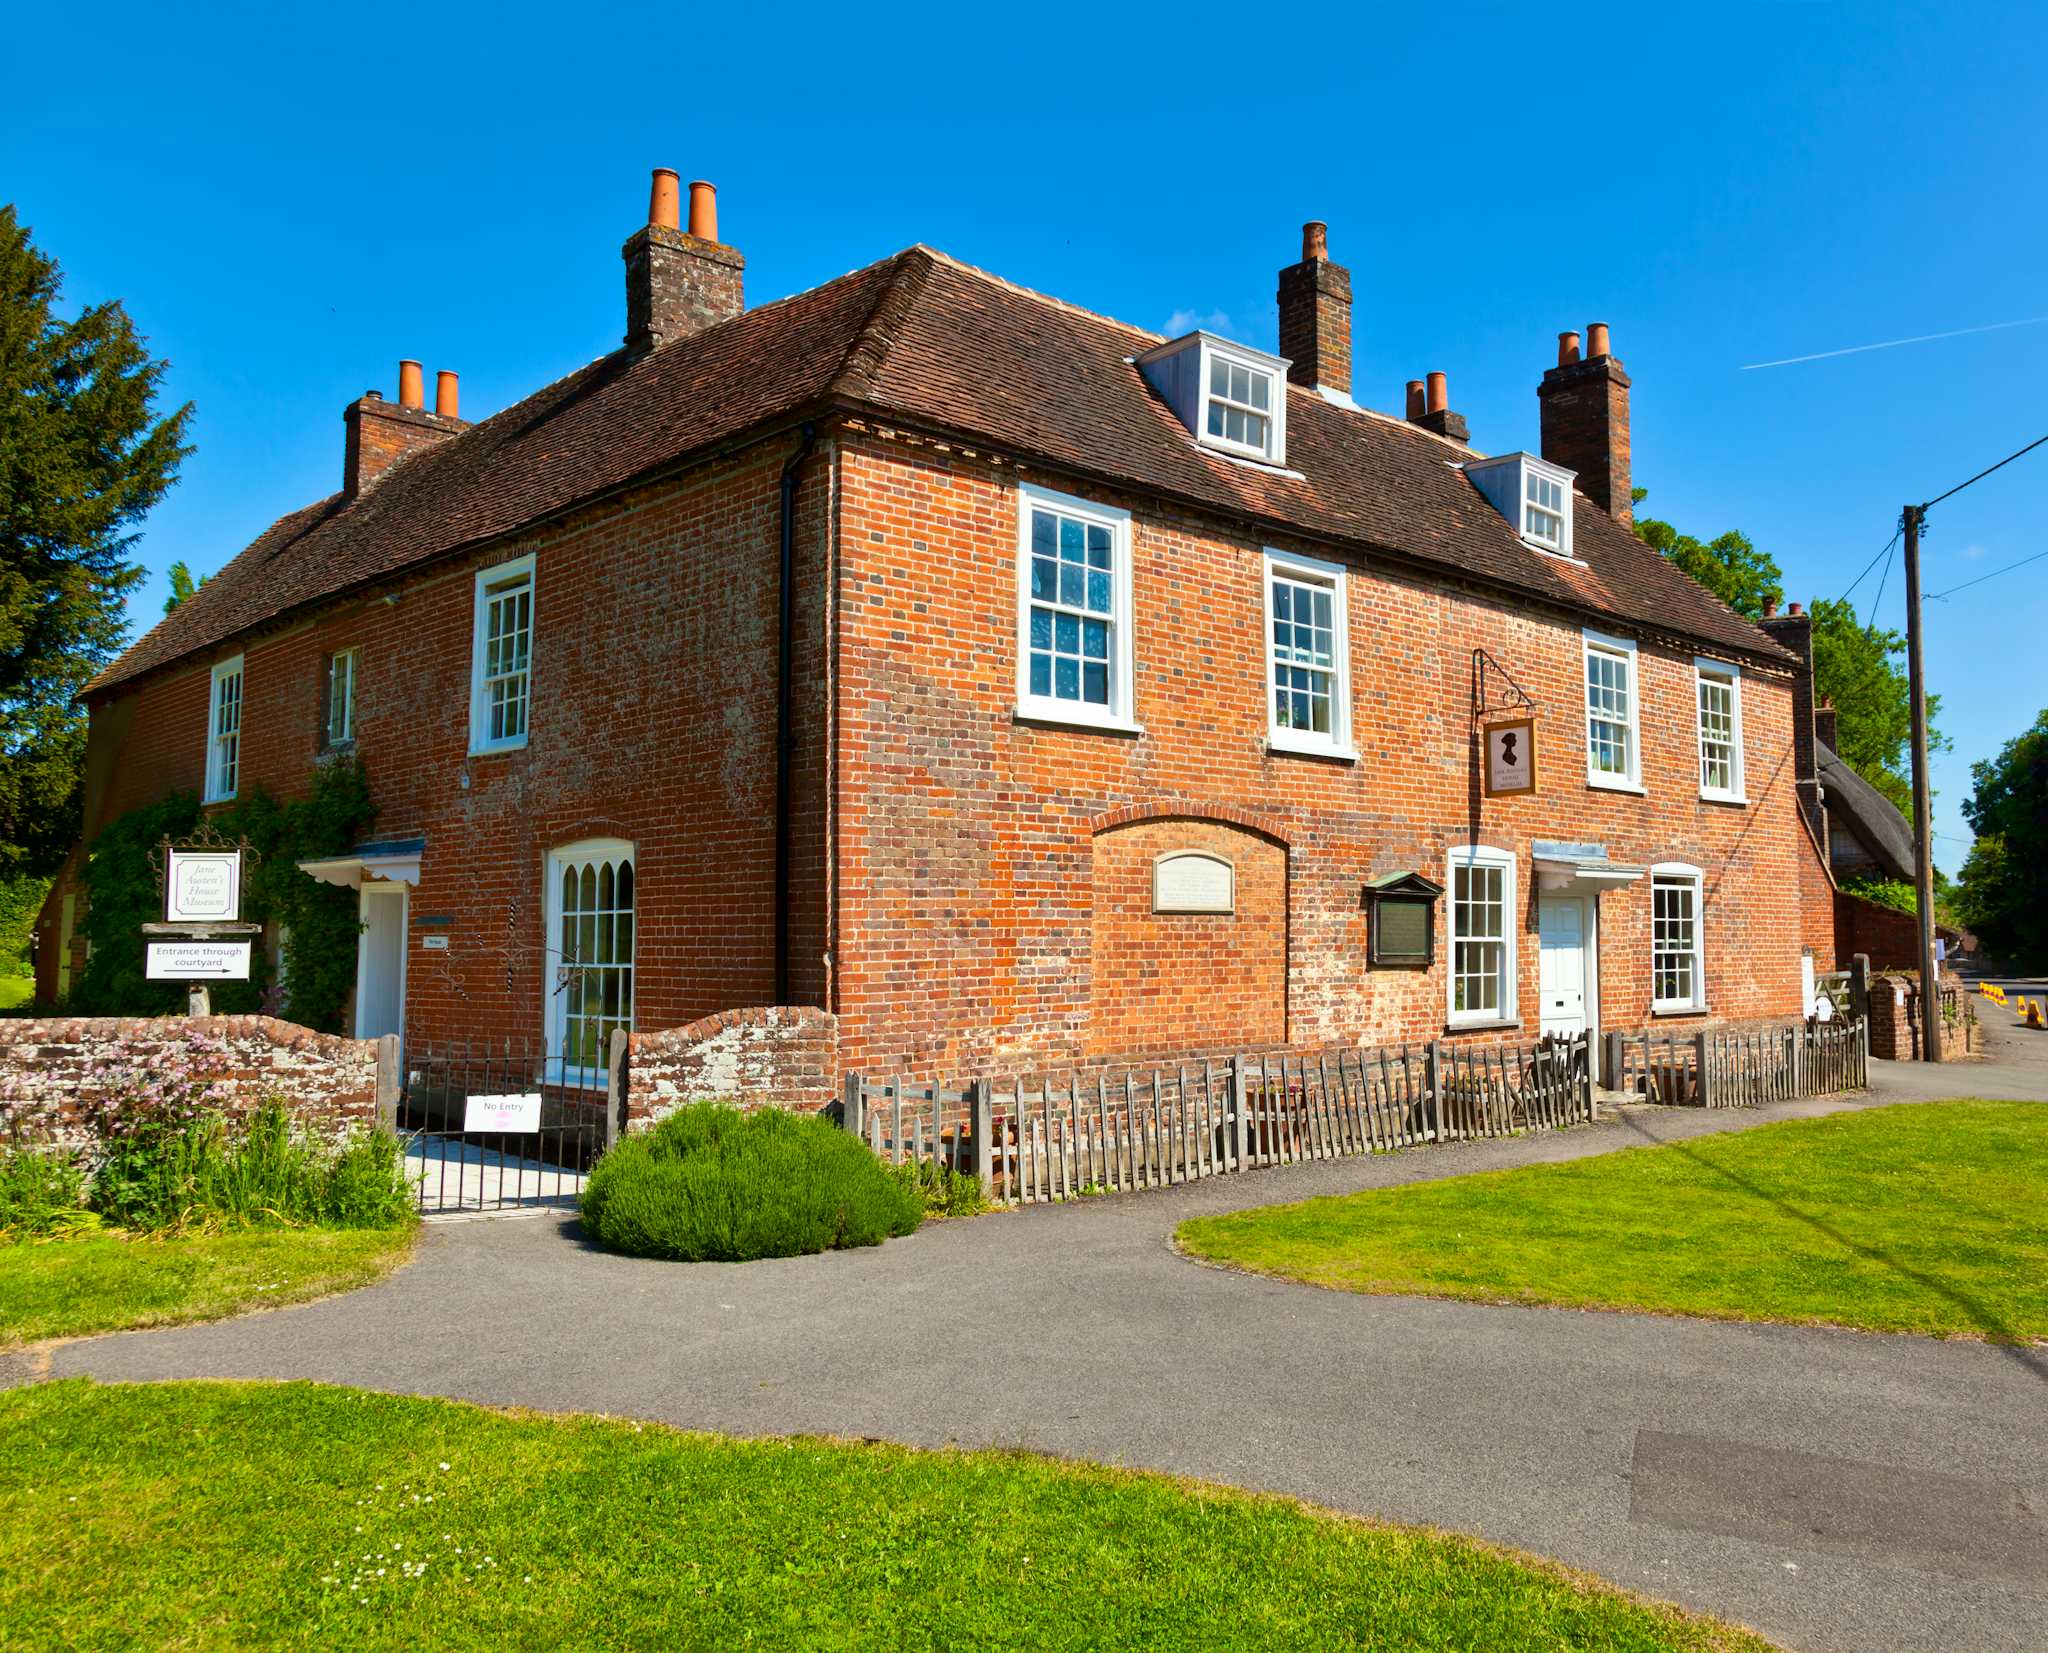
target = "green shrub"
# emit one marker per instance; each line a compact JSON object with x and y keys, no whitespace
{"x":199,"y":1171}
{"x":42,"y":1192}
{"x":711,"y":1184}
{"x":940,"y":1190}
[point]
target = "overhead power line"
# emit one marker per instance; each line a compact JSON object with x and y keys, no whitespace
{"x":1874,"y":561}
{"x":1981,"y":475}
{"x":1935,"y":596}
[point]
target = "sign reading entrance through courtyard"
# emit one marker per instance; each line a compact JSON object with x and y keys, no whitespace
{"x":198,"y":961}
{"x":514,"y":1113}
{"x":203,"y":886}
{"x":1511,"y":757}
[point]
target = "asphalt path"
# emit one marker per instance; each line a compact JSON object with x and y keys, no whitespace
{"x":1833,"y":1489}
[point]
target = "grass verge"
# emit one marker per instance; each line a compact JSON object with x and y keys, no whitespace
{"x":1922,"y":1217}
{"x":293,"y":1516}
{"x":113,"y":1282}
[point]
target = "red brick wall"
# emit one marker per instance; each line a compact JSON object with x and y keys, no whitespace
{"x":1891,"y":938}
{"x":967,"y":923}
{"x":56,"y":1074}
{"x":1817,"y":903}
{"x":776,"y":1056}
{"x":653,"y":720}
{"x":1169,"y":982}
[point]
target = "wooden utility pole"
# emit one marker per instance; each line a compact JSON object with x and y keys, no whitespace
{"x":1923,"y":834}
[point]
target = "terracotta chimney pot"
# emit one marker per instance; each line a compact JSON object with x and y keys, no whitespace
{"x":665,"y":200}
{"x":1567,"y":349}
{"x":1315,"y":240}
{"x":445,"y":395}
{"x":1439,"y":392}
{"x":1770,"y":608}
{"x":703,"y":210}
{"x":1596,"y":339}
{"x":1796,"y":609}
{"x":1416,"y":405}
{"x":412,"y":385}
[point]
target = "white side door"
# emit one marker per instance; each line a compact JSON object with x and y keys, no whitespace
{"x":380,"y":962}
{"x":1561,"y":973}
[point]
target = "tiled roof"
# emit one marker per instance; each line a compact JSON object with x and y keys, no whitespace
{"x":923,"y":340}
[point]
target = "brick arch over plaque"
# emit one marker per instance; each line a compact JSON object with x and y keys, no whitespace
{"x":1190,"y":810}
{"x":1168,"y":982}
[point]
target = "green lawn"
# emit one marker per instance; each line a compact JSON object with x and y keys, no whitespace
{"x":16,"y":991}
{"x":109,"y":1282}
{"x":1917,"y":1218}
{"x":212,"y":1515}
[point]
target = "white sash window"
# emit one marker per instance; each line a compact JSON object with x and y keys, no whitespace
{"x":590,"y":956}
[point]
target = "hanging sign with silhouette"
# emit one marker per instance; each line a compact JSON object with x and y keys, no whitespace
{"x":1510,"y":757}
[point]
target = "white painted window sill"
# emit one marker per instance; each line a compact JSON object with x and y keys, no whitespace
{"x":1669,"y":1011}
{"x":1492,"y":1024}
{"x":1289,"y":744}
{"x":499,"y":749}
{"x":1736,"y":798}
{"x":1607,"y":783}
{"x":1060,"y":716}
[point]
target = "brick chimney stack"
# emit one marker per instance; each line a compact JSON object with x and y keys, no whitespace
{"x":1315,"y":316}
{"x":679,"y":281}
{"x":1793,"y":630}
{"x":381,"y":433}
{"x":1824,"y":727}
{"x":1435,"y":412}
{"x":1585,"y":420}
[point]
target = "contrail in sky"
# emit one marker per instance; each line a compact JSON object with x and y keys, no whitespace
{"x":1893,"y":344}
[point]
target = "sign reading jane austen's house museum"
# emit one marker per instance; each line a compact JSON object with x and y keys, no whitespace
{"x":203,"y":886}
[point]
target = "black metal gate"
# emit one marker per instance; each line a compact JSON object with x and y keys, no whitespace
{"x":499,"y":1126}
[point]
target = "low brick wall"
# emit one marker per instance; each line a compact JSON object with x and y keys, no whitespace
{"x":782,"y":1056}
{"x":57,"y":1074}
{"x":1895,"y":1020}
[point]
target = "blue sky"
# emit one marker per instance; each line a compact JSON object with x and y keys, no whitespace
{"x":289,"y":204}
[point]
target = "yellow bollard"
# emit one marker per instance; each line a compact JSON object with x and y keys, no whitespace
{"x":2034,"y":1014}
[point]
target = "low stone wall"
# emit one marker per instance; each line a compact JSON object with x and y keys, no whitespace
{"x":1895,"y":1020}
{"x":782,"y":1056}
{"x":58,"y":1074}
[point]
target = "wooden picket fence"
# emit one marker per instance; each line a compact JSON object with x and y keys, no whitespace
{"x":1731,"y":1067}
{"x":1032,"y":1138}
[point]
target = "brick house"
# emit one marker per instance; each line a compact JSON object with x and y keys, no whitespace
{"x":1012,"y":684}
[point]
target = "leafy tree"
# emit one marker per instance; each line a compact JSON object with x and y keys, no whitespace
{"x":1731,"y":566}
{"x":2004,"y":883}
{"x":1861,"y":668}
{"x":82,"y":459}
{"x":182,"y":585}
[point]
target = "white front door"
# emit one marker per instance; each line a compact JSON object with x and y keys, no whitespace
{"x":380,"y":962}
{"x":1562,"y":973}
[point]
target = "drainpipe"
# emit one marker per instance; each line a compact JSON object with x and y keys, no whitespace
{"x":785,"y":734}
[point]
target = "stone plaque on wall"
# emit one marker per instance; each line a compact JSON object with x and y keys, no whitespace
{"x":1192,"y":881}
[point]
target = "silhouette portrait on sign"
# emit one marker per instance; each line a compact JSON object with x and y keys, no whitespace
{"x":1507,"y":749}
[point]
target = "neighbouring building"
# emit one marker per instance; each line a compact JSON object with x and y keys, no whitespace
{"x":1017,"y":686}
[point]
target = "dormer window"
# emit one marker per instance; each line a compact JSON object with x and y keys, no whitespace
{"x":1232,"y":398}
{"x":1533,"y":494}
{"x":1241,"y":405}
{"x":1543,"y":510}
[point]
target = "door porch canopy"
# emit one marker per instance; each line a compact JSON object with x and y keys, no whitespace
{"x":393,"y":860}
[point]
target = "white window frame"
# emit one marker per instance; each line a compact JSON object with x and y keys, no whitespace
{"x":1509,"y":1012}
{"x":554,"y":995}
{"x":1216,"y":350}
{"x":1561,"y":546}
{"x":346,"y":700}
{"x":1730,"y":675}
{"x":1119,"y":715}
{"x":1685,"y":873}
{"x":1311,"y":571}
{"x":224,"y":751}
{"x":479,"y":702}
{"x":1622,"y":648}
